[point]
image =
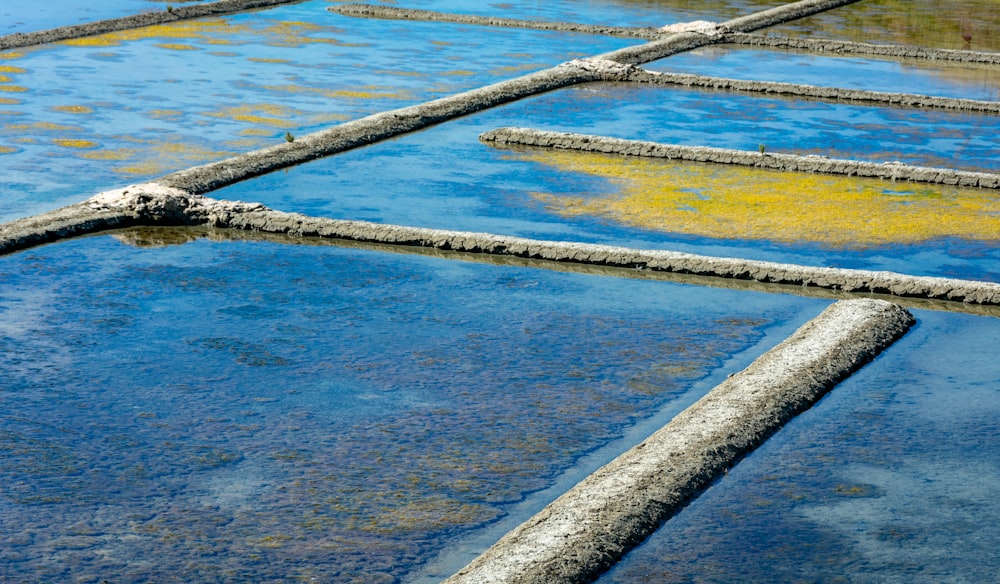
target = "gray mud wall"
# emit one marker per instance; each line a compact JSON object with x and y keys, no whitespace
{"x":893,"y":171}
{"x":156,"y":204}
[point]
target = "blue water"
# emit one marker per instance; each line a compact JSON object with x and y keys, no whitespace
{"x":467,"y":185}
{"x":922,"y":77}
{"x":259,"y":410}
{"x":611,"y":12}
{"x":24,"y":16}
{"x":893,"y":477}
{"x":239,"y":85}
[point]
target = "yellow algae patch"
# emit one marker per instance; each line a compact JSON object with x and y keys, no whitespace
{"x":74,"y":143}
{"x":202,"y":29}
{"x":7,"y":149}
{"x":177,"y":47}
{"x":5,"y":79}
{"x":296,"y":34}
{"x":73,"y":109}
{"x":370,"y":92}
{"x":256,"y":132}
{"x":10,"y":55}
{"x":43,"y":126}
{"x":168,"y":156}
{"x":459,"y":73}
{"x":251,"y":113}
{"x":263,"y":60}
{"x":110,"y":154}
{"x":12,"y":69}
{"x":745,"y":203}
{"x":13,"y":88}
{"x":10,"y":101}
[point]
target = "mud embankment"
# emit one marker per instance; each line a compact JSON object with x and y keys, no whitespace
{"x":828,"y":46}
{"x":394,"y":13}
{"x":587,"y":530}
{"x":894,"y":171}
{"x":154,"y":204}
{"x":794,"y":90}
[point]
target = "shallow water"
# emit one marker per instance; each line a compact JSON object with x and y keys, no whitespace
{"x":891,"y":478}
{"x":229,"y":85}
{"x":25,"y":16}
{"x":638,"y":13}
{"x":965,"y":80}
{"x":927,"y":23}
{"x":237,"y":408}
{"x":470,"y":186}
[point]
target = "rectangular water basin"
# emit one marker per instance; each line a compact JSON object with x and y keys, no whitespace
{"x":893,"y":477}
{"x":233,"y":409}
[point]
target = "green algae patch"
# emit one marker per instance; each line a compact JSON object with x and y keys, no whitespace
{"x":367,"y":92}
{"x":730,"y":202}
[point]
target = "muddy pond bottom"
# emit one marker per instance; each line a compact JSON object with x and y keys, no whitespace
{"x":235,"y":409}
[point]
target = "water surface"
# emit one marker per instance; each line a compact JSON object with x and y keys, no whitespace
{"x":891,"y":478}
{"x":274,"y":411}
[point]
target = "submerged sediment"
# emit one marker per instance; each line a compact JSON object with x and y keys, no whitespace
{"x":589,"y":528}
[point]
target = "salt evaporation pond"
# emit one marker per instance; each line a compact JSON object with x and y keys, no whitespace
{"x":223,"y":86}
{"x":608,"y":12}
{"x":893,"y":477}
{"x":469,"y":186}
{"x":20,"y":16}
{"x":917,"y":76}
{"x":232,"y":409}
{"x":939,"y":24}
